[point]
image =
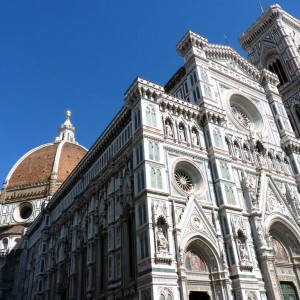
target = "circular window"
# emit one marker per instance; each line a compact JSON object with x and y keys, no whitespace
{"x":243,"y":113}
{"x":187,"y":177}
{"x":241,"y":116}
{"x":184,"y":180}
{"x":23,"y":212}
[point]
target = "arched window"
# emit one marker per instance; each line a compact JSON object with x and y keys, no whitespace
{"x":153,"y":117}
{"x":156,"y":152}
{"x":156,"y":180}
{"x":275,"y":66}
{"x":297,"y":111}
{"x":140,"y":181}
{"x":42,"y":266}
{"x":146,"y":295}
{"x":153,"y":151}
{"x":144,"y":248}
{"x":148,"y":116}
{"x":217,"y":137}
{"x":137,"y":119}
{"x":292,"y":123}
{"x":162,"y":297}
{"x":5,"y":243}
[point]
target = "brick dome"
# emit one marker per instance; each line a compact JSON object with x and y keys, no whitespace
{"x":40,"y":172}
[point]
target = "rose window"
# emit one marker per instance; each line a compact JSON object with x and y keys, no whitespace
{"x":243,"y":113}
{"x":184,"y":181}
{"x":240,"y":116}
{"x":187,"y":177}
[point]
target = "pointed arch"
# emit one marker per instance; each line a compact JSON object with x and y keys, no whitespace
{"x":200,"y":246}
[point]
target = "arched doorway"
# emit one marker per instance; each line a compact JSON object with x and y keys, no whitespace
{"x":199,"y":262}
{"x":286,"y":251}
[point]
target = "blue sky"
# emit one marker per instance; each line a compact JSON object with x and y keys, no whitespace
{"x":82,"y":55}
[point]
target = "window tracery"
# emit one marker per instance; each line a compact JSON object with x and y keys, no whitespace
{"x":151,"y":116}
{"x":276,"y":67}
{"x":244,"y":113}
{"x":184,"y":181}
{"x":156,"y":180}
{"x":241,"y":116}
{"x":187,"y":177}
{"x":153,"y":151}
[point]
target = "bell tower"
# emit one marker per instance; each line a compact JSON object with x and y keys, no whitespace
{"x":273,"y":43}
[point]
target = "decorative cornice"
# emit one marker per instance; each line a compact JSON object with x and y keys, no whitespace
{"x":112,"y":130}
{"x":290,"y":145}
{"x":260,"y":26}
{"x":214,"y":51}
{"x":213,"y":114}
{"x":269,"y":77}
{"x":142,"y":88}
{"x":191,"y":39}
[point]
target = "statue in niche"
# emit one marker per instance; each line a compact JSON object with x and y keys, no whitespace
{"x":270,"y":161}
{"x":181,"y":133}
{"x":195,"y":140}
{"x":249,"y":185}
{"x":243,"y":251}
{"x":287,"y":167}
{"x":259,"y":157}
{"x":246,"y":154}
{"x":260,"y":235}
{"x":237,"y":151}
{"x":283,"y":189}
{"x":169,"y":130}
{"x":162,"y":242}
{"x":293,"y":196}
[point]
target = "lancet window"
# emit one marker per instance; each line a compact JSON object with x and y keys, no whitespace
{"x":276,"y":67}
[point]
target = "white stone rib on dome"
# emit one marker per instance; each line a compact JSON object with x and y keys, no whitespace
{"x":22,"y":158}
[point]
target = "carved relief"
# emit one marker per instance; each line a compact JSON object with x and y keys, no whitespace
{"x":248,"y":186}
{"x":273,"y":204}
{"x":167,"y":293}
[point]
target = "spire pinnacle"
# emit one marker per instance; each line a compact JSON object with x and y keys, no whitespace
{"x":66,"y":131}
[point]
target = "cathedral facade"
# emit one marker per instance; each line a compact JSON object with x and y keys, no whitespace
{"x":191,"y":192}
